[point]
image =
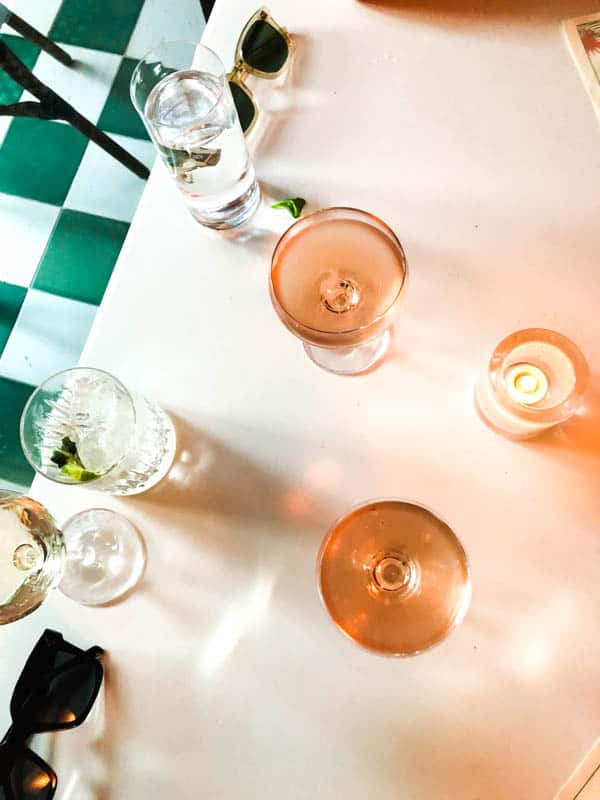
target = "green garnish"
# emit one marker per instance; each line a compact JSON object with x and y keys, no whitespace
{"x":67,"y":458}
{"x":293,"y":204}
{"x":59,"y":458}
{"x":69,"y":446}
{"x":78,"y":473}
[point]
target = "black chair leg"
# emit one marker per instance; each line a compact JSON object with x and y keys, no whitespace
{"x":20,"y":26}
{"x":52,"y":106}
{"x":115,"y":150}
{"x":207,"y":7}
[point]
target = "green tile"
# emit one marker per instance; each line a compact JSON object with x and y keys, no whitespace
{"x":13,"y":466}
{"x":25,"y":51}
{"x":39,"y":159}
{"x":118,"y":114}
{"x":80,"y":256}
{"x":100,"y":24}
{"x":11,"y":300}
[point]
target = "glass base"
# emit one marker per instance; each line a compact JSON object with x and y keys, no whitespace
{"x":105,"y":557}
{"x":350,"y":360}
{"x":233,"y":214}
{"x":394,"y":577}
{"x":151,"y":460}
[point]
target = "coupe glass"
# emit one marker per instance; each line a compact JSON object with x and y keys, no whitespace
{"x":181,"y":92}
{"x":82,"y":427}
{"x":336,"y":280}
{"x":394,"y":577}
{"x":96,"y":557}
{"x":535,"y":379}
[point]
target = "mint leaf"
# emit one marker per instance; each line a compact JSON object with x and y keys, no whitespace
{"x":59,"y":457}
{"x":69,"y":446}
{"x":67,"y":459}
{"x":293,"y":204}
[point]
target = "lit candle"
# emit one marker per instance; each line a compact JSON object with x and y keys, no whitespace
{"x":526,"y":384}
{"x":535,"y":379}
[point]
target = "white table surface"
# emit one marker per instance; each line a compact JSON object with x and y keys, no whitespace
{"x":473,"y":137}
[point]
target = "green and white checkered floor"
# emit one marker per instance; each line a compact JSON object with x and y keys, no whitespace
{"x":65,"y":205}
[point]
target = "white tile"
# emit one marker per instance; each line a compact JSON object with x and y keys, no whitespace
{"x":47,"y":337}
{"x":12,"y":487}
{"x":38,"y":13}
{"x":162,"y":21}
{"x":4,"y":126}
{"x":25,"y":227}
{"x":105,"y":187}
{"x":85,"y":84}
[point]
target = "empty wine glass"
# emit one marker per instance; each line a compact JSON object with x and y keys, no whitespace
{"x":336,"y":280}
{"x":394,"y":577}
{"x":96,"y":557}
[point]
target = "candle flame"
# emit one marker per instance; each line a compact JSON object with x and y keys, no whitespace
{"x":526,"y":384}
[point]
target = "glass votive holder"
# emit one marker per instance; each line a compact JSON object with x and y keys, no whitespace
{"x":536,"y":378}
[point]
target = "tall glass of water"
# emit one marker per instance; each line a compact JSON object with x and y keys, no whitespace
{"x":181,"y":91}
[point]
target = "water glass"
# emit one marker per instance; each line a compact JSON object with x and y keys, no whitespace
{"x":181,"y":92}
{"x":83,"y":427}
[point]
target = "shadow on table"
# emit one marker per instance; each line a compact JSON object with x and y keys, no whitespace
{"x":278,"y":100}
{"x":532,"y":10}
{"x":468,"y":756}
{"x":576,"y":443}
{"x":239,"y":535}
{"x":210,"y":477}
{"x":84,"y":758}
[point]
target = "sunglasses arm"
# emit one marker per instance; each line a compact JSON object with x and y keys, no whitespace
{"x":95,"y":652}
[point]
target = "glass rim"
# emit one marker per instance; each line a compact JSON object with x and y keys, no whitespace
{"x":405,"y":501}
{"x":307,"y":220}
{"x":37,"y":391}
{"x":553,"y":414}
{"x":196,"y":46}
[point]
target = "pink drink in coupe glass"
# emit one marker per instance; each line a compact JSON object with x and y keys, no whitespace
{"x":336,"y":278}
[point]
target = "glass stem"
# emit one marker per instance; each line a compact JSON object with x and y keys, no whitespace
{"x":395,"y":573}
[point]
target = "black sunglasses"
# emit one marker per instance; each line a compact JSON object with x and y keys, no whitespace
{"x":56,"y":691}
{"x":263,"y":49}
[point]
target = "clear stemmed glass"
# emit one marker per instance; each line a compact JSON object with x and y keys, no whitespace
{"x":336,"y":279}
{"x":394,"y":577}
{"x":181,"y":92}
{"x":82,"y":427}
{"x":96,"y":557}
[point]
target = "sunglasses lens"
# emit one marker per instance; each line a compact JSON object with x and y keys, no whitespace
{"x":50,"y":653}
{"x":244,"y":105}
{"x":67,"y":696}
{"x":264,"y":48}
{"x":57,"y":686}
{"x":29,"y":781}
